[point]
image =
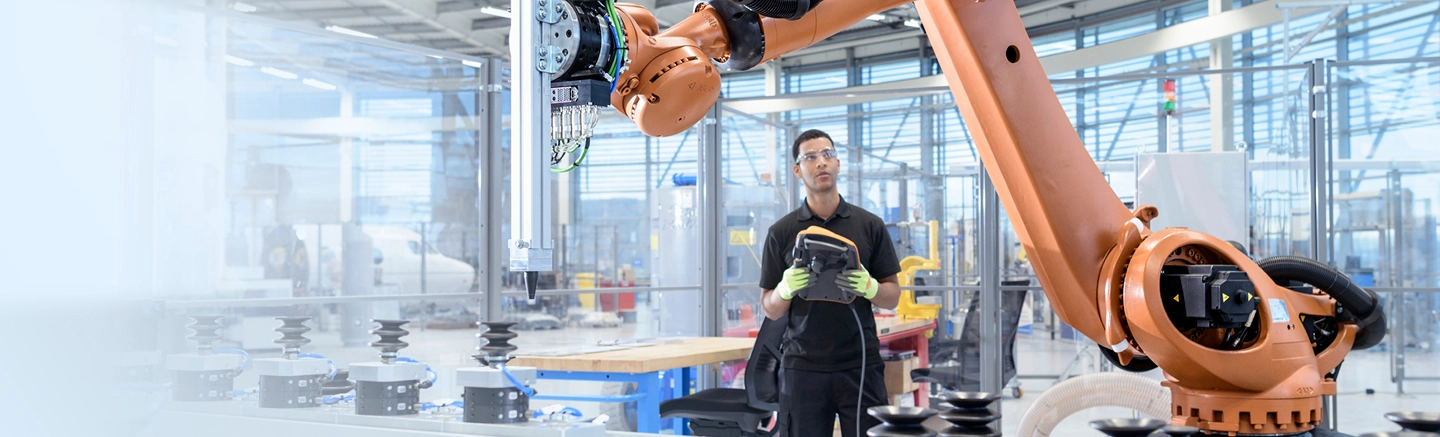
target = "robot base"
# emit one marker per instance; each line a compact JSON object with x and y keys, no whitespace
{"x":1221,"y":413}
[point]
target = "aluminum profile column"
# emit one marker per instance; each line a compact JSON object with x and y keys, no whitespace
{"x":989,"y":257}
{"x":932,"y":186}
{"x":713,"y":238}
{"x":713,"y":235}
{"x":1317,"y":87}
{"x":491,"y":179}
{"x":1394,"y":275}
{"x":1222,"y":88}
{"x":792,"y":183}
{"x":855,"y":134}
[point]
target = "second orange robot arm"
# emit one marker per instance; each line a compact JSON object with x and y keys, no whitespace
{"x":672,"y":82}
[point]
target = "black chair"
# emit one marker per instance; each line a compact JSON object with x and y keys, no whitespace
{"x":965,"y":351}
{"x":733,"y":412}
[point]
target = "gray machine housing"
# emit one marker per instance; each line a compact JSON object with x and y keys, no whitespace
{"x":383,"y":389}
{"x":287,"y":383}
{"x":200,"y":378}
{"x":490,"y":397}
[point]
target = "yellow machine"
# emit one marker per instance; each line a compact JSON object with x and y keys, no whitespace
{"x":908,"y":310}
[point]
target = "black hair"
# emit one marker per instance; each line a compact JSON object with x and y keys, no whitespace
{"x":807,"y":136}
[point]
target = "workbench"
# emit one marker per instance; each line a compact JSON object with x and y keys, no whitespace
{"x":649,"y":367}
{"x":912,"y":335}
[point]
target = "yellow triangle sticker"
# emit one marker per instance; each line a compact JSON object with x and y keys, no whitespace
{"x":1224,"y":298}
{"x":1302,"y":317}
{"x":1249,"y":297}
{"x":1177,"y":298}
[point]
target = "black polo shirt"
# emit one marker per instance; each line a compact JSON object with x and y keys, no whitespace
{"x":822,"y":336}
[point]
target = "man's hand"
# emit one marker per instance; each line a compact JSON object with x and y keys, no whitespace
{"x":794,"y":279}
{"x":858,"y":281}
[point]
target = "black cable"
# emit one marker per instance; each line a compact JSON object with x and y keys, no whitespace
{"x":786,"y":9}
{"x":1362,"y":305}
{"x":860,"y":398}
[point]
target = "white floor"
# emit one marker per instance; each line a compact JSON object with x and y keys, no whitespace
{"x":1360,"y":413}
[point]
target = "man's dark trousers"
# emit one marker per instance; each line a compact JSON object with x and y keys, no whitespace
{"x":815,"y":398}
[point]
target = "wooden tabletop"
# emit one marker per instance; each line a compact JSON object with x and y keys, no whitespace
{"x":883,"y":329}
{"x":646,"y":359}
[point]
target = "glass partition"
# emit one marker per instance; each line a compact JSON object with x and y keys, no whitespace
{"x":758,"y":182}
{"x":1385,"y":181}
{"x":303,"y":173}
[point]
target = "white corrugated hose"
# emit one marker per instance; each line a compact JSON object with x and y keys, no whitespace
{"x":1107,"y":389}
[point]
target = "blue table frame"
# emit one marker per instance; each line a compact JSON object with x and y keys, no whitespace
{"x":650,"y":391}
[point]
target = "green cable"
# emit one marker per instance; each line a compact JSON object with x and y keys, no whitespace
{"x":610,"y":12}
{"x":620,"y":29}
{"x":578,"y":159}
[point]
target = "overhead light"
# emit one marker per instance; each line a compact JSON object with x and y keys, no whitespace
{"x":913,"y":23}
{"x":278,"y":73}
{"x":436,"y":57}
{"x":1433,"y":39}
{"x":491,"y":10}
{"x":243,"y":7}
{"x":877,"y":17}
{"x":318,"y":84}
{"x":338,"y":29}
{"x":238,"y":61}
{"x":472,"y":63}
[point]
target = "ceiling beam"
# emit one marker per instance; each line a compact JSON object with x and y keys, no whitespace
{"x":1173,"y":37}
{"x":1043,"y":13}
{"x":384,"y":29}
{"x":451,"y":23}
{"x":1178,"y":36}
{"x":464,"y":5}
{"x":667,"y":15}
{"x":489,"y":22}
{"x":325,"y":14}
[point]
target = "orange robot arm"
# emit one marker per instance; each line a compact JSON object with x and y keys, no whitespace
{"x":671,"y":83}
{"x":1105,"y":272}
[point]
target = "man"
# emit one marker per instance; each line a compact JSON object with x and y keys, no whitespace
{"x":821,"y":370}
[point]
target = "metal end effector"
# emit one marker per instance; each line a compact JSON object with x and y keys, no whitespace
{"x":583,"y":54}
{"x":566,"y":55}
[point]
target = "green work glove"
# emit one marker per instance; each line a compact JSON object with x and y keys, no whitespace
{"x":858,"y":281}
{"x":794,"y":279}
